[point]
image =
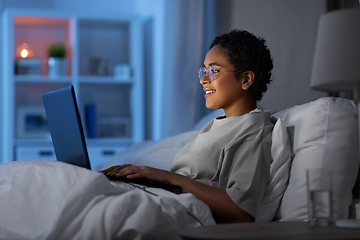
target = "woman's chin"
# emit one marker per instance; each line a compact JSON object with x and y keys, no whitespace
{"x":211,"y":106}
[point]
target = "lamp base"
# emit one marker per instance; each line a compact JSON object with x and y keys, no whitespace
{"x":348,"y":223}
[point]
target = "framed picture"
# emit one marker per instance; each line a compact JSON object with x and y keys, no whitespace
{"x":122,"y":72}
{"x":31,"y":122}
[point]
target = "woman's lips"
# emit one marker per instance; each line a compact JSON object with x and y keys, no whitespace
{"x":209,"y":92}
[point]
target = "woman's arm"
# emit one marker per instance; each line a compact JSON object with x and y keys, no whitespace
{"x":217,"y":199}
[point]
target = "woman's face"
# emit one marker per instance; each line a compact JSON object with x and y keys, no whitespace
{"x":225,"y":91}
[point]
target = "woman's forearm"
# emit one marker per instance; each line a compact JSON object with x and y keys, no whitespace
{"x":217,"y":199}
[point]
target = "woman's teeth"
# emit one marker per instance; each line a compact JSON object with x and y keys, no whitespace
{"x":208,"y":93}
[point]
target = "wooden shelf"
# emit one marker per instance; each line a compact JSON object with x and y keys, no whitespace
{"x":90,"y":40}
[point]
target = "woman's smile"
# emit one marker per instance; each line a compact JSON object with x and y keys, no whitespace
{"x":209,"y":92}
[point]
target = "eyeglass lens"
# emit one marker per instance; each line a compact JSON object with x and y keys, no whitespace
{"x":209,"y":72}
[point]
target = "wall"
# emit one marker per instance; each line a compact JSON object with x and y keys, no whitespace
{"x":290,"y":29}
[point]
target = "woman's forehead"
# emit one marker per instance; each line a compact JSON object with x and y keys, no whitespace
{"x":216,"y":57}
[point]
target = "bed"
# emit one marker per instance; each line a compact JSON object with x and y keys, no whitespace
{"x":53,"y":200}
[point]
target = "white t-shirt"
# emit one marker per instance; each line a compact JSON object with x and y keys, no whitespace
{"x":233,"y":154}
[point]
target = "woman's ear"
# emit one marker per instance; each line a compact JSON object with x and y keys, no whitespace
{"x":248,"y":79}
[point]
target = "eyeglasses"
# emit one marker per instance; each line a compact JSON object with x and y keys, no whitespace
{"x":211,"y":73}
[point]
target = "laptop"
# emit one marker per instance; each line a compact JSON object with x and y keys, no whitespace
{"x":68,"y":137}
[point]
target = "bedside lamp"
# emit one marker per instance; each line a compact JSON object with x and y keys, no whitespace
{"x":336,"y":66}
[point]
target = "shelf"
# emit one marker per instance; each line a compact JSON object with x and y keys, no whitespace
{"x":103,"y":79}
{"x":105,"y":65}
{"x":107,"y":142}
{"x":41,"y":22}
{"x":33,"y":142}
{"x":120,"y":142}
{"x":100,"y":50}
{"x":39,"y":33}
{"x":41,"y":79}
{"x":66,"y":79}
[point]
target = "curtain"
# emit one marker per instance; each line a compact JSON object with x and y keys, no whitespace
{"x":184,"y":55}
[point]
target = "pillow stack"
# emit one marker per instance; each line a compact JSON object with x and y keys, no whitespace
{"x":324,"y":134}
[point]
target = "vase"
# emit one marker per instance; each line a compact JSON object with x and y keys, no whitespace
{"x":57,"y":67}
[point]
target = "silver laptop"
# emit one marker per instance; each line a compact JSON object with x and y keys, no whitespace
{"x":68,"y":137}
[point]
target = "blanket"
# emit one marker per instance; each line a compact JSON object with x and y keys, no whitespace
{"x":54,"y":200}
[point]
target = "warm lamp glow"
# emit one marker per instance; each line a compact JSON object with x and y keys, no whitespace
{"x":24,"y":53}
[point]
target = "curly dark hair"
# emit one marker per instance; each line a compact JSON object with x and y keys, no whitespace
{"x":247,"y":52}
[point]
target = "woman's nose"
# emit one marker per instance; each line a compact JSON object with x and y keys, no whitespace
{"x":204,"y":80}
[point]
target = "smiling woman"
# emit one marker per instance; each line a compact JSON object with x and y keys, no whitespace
{"x":238,"y":71}
{"x":227,"y":92}
{"x":226,"y":164}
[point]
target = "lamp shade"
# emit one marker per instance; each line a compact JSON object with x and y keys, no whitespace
{"x":336,"y":66}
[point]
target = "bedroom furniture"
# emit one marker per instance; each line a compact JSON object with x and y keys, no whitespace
{"x":336,"y":60}
{"x":269,"y":231}
{"x":95,"y":44}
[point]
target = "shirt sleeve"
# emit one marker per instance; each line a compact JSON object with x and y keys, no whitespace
{"x":249,"y":171}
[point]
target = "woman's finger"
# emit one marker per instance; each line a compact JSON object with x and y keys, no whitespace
{"x":114,"y":169}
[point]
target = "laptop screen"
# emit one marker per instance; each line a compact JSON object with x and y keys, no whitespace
{"x":65,"y":126}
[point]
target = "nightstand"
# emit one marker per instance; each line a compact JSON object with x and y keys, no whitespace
{"x":269,"y":231}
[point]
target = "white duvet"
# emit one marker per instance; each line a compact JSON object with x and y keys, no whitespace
{"x":54,"y":200}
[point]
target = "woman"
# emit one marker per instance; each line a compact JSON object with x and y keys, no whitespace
{"x":226,"y":165}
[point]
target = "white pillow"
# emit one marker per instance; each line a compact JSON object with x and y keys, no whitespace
{"x":207,"y":118}
{"x":324,"y":134}
{"x":157,"y":154}
{"x":279,"y":173}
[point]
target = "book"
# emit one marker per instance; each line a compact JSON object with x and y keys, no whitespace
{"x":28,"y":66}
{"x":90,"y":120}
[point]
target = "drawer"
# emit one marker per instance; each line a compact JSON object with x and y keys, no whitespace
{"x":97,"y":155}
{"x":34,"y":153}
{"x":100,"y":155}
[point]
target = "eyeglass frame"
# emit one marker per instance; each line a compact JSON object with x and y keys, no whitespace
{"x":201,"y":73}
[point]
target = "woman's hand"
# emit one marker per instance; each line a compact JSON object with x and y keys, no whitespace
{"x":144,"y":172}
{"x":111,"y":171}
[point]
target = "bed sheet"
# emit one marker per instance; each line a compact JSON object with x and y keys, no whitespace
{"x":54,"y":200}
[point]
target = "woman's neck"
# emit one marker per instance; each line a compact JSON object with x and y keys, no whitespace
{"x":240,"y":109}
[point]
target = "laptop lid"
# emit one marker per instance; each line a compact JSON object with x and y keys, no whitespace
{"x":65,"y":126}
{"x":68,"y":138}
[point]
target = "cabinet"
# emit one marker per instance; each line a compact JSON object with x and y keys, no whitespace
{"x":105,"y":65}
